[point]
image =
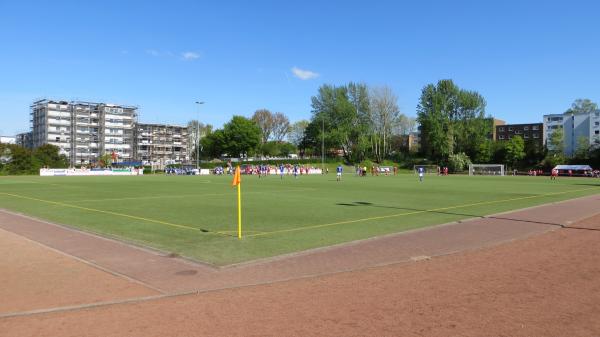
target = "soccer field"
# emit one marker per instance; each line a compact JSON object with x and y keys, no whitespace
{"x":195,"y":216}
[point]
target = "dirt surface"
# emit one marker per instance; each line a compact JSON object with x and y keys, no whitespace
{"x":35,"y":277}
{"x":547,"y":284}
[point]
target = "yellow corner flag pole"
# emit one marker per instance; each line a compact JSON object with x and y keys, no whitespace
{"x":237,"y":181}
{"x":239,"y":188}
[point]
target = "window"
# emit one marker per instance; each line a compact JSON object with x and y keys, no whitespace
{"x":535,"y":135}
{"x":501,"y":129}
{"x":518,"y":132}
{"x":526,"y":136}
{"x":501,"y":136}
{"x":511,"y":128}
{"x":596,"y":123}
{"x":535,"y":127}
{"x":597,"y":132}
{"x":58,"y":139}
{"x":526,"y":128}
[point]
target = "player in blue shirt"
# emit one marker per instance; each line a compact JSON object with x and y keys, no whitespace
{"x":281,"y":170}
{"x":338,"y":171}
{"x":421,"y":174}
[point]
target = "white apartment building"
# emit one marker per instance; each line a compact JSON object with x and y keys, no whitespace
{"x":84,"y":131}
{"x":8,"y":140}
{"x":161,"y":144}
{"x":575,"y":126}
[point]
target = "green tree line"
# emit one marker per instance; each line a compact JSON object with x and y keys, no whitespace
{"x":17,"y":160}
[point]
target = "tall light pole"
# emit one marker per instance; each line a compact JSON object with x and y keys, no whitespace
{"x":322,"y":145}
{"x":198,"y":136}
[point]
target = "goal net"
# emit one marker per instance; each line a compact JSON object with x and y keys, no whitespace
{"x":429,"y":169}
{"x":486,"y":169}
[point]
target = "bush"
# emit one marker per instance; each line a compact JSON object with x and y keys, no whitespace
{"x":458,"y":162}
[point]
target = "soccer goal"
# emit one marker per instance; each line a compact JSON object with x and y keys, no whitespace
{"x":486,"y":169}
{"x":427,"y":168}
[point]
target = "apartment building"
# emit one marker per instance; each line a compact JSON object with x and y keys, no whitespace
{"x":575,"y":126}
{"x":495,"y":123}
{"x":414,"y":141}
{"x":161,"y":144}
{"x":529,"y":132}
{"x":8,"y":140}
{"x":84,"y":131}
{"x":24,"y":139}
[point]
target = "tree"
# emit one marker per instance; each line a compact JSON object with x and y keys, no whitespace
{"x":582,"y":152}
{"x":555,"y":153}
{"x":434,"y":112}
{"x":276,"y":149}
{"x":213,"y":145}
{"x":265,"y":121}
{"x":485,"y":152}
{"x":196,"y":132}
{"x":297,"y":132}
{"x":384,"y":113}
{"x":281,"y":126}
{"x":49,"y":156}
{"x":241,"y":136}
{"x":556,"y":145}
{"x":515,"y":150}
{"x":5,"y":156}
{"x":595,"y":153}
{"x":451,"y":119}
{"x":341,"y":112}
{"x":582,"y":105}
{"x":405,"y":125}
{"x":287,"y":148}
{"x":534,"y":153}
{"x":21,"y":161}
{"x":499,"y":152}
{"x":471,"y":127}
{"x":105,"y":160}
{"x":458,"y":162}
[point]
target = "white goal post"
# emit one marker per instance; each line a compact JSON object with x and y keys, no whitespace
{"x":486,"y":169}
{"x":427,"y":168}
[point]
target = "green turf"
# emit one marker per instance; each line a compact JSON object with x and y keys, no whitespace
{"x":196,"y":216}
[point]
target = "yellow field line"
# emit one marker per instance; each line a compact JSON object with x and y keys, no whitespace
{"x":411,"y":213}
{"x":113,"y":213}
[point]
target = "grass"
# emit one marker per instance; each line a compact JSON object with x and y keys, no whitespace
{"x":196,"y":216}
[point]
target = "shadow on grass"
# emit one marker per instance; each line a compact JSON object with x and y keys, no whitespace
{"x":370,"y":204}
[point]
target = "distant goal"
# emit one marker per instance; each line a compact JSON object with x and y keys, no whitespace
{"x":427,"y":168}
{"x":486,"y":170}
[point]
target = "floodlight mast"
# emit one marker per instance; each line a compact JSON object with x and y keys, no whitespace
{"x":323,"y":145}
{"x":198,"y":136}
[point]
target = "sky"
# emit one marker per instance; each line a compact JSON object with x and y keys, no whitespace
{"x":527,"y":58}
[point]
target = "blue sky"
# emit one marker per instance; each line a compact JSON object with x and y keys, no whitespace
{"x":527,"y":58}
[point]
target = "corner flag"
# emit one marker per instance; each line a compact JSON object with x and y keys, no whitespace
{"x":237,"y":181}
{"x":237,"y":178}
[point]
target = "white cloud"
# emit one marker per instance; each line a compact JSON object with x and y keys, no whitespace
{"x":304,"y":74}
{"x":152,"y":52}
{"x":190,"y":55}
